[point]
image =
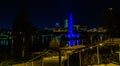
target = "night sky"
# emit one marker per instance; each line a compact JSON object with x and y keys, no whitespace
{"x":45,"y":13}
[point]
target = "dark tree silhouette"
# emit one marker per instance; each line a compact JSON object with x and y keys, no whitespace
{"x":22,"y":29}
{"x":22,"y":23}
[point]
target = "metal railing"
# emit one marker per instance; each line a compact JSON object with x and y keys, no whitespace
{"x":101,"y":53}
{"x":33,"y":60}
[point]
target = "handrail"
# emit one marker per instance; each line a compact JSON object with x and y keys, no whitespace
{"x":103,"y":42}
{"x":38,"y":56}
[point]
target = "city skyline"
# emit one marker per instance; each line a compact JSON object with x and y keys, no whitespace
{"x":42,"y":12}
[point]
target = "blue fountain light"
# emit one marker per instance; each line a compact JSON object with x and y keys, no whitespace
{"x":70,"y":24}
{"x":71,"y":36}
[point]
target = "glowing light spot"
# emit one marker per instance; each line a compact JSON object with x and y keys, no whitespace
{"x":91,"y":47}
{"x":57,"y":24}
{"x":83,"y":49}
{"x":100,"y":44}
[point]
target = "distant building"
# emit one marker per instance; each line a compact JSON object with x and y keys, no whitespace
{"x":83,"y":28}
{"x":76,"y":27}
{"x":66,"y":24}
{"x":6,"y":37}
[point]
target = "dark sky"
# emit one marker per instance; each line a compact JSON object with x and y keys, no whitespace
{"x":45,"y":13}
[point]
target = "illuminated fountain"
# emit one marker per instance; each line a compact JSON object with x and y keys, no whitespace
{"x":73,"y":38}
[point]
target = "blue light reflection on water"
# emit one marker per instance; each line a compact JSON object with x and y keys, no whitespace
{"x":71,"y":38}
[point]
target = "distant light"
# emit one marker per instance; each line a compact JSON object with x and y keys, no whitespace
{"x":91,"y":47}
{"x":75,"y":52}
{"x":83,"y":49}
{"x":100,"y":44}
{"x":10,"y":37}
{"x":20,"y":32}
{"x":57,"y":24}
{"x":110,"y":9}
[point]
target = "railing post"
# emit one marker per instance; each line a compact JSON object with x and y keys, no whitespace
{"x":42,"y":39}
{"x":119,"y":53}
{"x":32,"y":63}
{"x":98,"y":55}
{"x":91,"y":39}
{"x":42,"y":61}
{"x":60,"y":58}
{"x":26,"y":64}
{"x":80,"y":57}
{"x":1,"y":64}
{"x":68,"y":60}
